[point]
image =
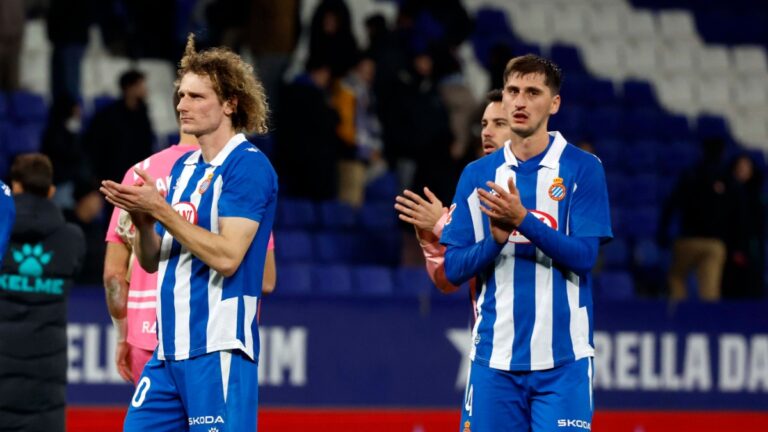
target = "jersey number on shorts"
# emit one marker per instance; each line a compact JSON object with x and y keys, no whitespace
{"x":141,"y":392}
{"x":468,"y":401}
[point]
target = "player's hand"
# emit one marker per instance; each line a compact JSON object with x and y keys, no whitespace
{"x":422,"y":214}
{"x":123,"y":361}
{"x":499,"y":233}
{"x":504,"y":209}
{"x":140,"y":200}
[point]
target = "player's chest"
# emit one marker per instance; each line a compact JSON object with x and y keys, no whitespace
{"x":195,"y":193}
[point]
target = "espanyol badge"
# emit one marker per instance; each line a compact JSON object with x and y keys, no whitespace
{"x":205,"y":184}
{"x":557,"y":190}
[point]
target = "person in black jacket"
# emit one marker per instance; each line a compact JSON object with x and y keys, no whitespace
{"x":43,"y":256}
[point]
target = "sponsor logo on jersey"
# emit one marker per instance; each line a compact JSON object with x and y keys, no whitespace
{"x":557,"y":190}
{"x":571,"y":423}
{"x":205,"y":420}
{"x":187,"y":210}
{"x":548,"y":220}
{"x":205,"y":184}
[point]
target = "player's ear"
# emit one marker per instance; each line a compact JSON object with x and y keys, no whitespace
{"x":555,"y":107}
{"x":230,"y":106}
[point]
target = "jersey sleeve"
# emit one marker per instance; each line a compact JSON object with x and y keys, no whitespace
{"x":458,"y":230}
{"x":7,"y":215}
{"x":248,"y":187}
{"x":590,"y":214}
{"x":112,"y":236}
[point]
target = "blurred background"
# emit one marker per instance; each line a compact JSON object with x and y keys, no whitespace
{"x":369,"y":97}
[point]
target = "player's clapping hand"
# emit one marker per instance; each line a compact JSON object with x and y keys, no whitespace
{"x":503,"y":208}
{"x":140,"y":200}
{"x":419,"y":212}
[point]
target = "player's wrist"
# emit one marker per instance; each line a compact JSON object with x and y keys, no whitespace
{"x":121,"y":328}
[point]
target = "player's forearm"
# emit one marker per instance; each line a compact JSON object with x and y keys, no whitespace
{"x":464,"y":262}
{"x":434,"y":258}
{"x":270,"y":274}
{"x":213,"y":249}
{"x":115,"y":284}
{"x":577,"y":254}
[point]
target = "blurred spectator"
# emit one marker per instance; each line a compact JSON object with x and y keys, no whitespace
{"x":121,"y":133}
{"x":87,"y":213}
{"x":454,"y":23}
{"x":456,"y":96}
{"x":701,"y":201}
{"x":44,"y":255}
{"x":273,"y":33}
{"x":359,"y":130}
{"x":586,"y":145}
{"x":68,"y":22}
{"x":331,"y":36}
{"x":745,"y":240}
{"x":417,"y":130}
{"x":12,"y":21}
{"x":307,"y":144}
{"x":62,"y":144}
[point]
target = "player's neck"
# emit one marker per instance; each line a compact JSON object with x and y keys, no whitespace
{"x":211,"y":144}
{"x":531,"y":146}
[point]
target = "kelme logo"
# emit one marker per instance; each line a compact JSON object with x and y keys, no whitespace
{"x":31,"y":259}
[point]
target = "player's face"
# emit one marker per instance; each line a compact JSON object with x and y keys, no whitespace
{"x":496,"y":129}
{"x":528,"y":103}
{"x":200,"y":110}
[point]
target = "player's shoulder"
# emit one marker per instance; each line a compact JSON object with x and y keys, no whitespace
{"x":248,"y":159}
{"x":574,"y":155}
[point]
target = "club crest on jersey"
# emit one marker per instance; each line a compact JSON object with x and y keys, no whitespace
{"x":187,"y":210}
{"x":205,"y":184}
{"x":466,"y":426}
{"x":547,"y":219}
{"x":557,"y":190}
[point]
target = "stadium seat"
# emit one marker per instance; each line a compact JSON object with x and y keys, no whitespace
{"x":615,"y":254}
{"x":642,"y":190}
{"x":601,"y":94}
{"x":642,"y":123}
{"x":294,"y":246}
{"x":711,"y":126}
{"x":337,"y":247}
{"x":27,"y":107}
{"x":615,"y":285}
{"x":378,"y":215}
{"x":295,"y":213}
{"x":639,"y":156}
{"x":646,"y":254}
{"x":383,"y":188}
{"x":639,"y":94}
{"x":332,"y":280}
{"x":675,"y":127}
{"x":3,"y":106}
{"x":640,"y":60}
{"x":375,"y":281}
{"x":677,"y":25}
{"x":642,"y":221}
{"x":21,"y":139}
{"x":413,"y":282}
{"x":568,"y":58}
{"x":337,"y":215}
{"x":750,"y":60}
{"x":294,"y":279}
{"x":713,"y":61}
{"x":640,"y":26}
{"x":605,"y":123}
{"x":609,"y":151}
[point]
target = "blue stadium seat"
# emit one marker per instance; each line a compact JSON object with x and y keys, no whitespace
{"x":295,"y":213}
{"x":619,"y":192}
{"x":601,"y":93}
{"x":374,"y":281}
{"x":21,"y":139}
{"x":639,"y":94}
{"x":384,"y":188}
{"x":3,"y":106}
{"x":676,"y":127}
{"x":337,"y":247}
{"x":642,"y":191}
{"x":413,"y":282}
{"x":337,"y":215}
{"x":293,"y":279}
{"x":378,"y":215}
{"x":294,"y":246}
{"x":332,"y":280}
{"x":615,"y":285}
{"x":642,"y":123}
{"x":642,"y":222}
{"x":569,"y":121}
{"x":28,"y":107}
{"x":604,"y":123}
{"x":639,"y":157}
{"x":526,"y":48}
{"x":567,"y":57}
{"x":678,"y":156}
{"x":615,"y":254}
{"x":710,"y":126}
{"x":610,"y":153}
{"x":646,"y":254}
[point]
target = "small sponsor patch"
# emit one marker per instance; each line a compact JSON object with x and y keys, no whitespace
{"x":187,"y":210}
{"x":557,"y":190}
{"x":466,"y":426}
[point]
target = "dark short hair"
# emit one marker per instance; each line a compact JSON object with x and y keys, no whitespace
{"x":130,"y":78}
{"x":34,"y":172}
{"x":533,"y":64}
{"x":494,"y":95}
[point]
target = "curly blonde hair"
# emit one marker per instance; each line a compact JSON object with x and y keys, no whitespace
{"x":233,"y":80}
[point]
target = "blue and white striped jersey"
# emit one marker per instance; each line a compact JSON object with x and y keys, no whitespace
{"x":533,"y":314}
{"x":7,"y":217}
{"x":198,"y":310}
